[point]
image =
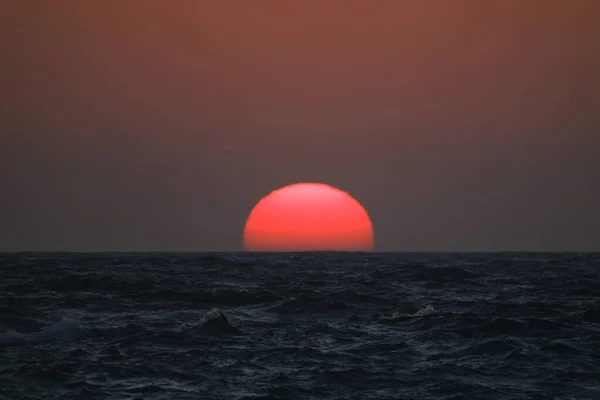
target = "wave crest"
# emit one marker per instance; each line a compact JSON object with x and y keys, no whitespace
{"x":63,"y":330}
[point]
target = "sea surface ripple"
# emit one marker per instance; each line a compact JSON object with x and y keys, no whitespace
{"x":299,"y":326}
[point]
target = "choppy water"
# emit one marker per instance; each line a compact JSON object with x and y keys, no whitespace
{"x":306,"y":326}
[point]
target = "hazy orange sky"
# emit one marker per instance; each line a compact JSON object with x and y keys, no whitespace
{"x":157,"y":125}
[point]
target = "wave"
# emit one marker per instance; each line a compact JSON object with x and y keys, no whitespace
{"x":493,"y":347}
{"x":215,"y":322}
{"x":517,"y":327}
{"x":63,"y":330}
{"x":310,"y":303}
{"x":591,"y":315}
{"x":441,"y":274}
{"x":299,"y":326}
{"x":426,"y":311}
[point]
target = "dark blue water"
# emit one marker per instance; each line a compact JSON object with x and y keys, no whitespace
{"x":300,"y":326}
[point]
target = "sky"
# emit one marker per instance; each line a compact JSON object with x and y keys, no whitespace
{"x":158,"y":125}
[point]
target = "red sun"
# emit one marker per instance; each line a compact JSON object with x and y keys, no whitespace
{"x":308,"y":217}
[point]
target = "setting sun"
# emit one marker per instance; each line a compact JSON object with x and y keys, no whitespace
{"x":306,"y":217}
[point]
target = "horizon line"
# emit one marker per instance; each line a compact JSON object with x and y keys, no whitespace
{"x":293,"y":252}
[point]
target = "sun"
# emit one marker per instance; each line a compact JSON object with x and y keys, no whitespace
{"x":308,"y":217}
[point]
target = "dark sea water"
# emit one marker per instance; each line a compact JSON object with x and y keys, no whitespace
{"x":300,"y":326}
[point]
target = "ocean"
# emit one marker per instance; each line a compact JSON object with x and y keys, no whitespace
{"x":299,"y":326}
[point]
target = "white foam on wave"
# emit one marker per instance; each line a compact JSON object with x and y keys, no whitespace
{"x":423,"y":312}
{"x":60,"y":331}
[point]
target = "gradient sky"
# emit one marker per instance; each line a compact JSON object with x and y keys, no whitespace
{"x":157,"y":125}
